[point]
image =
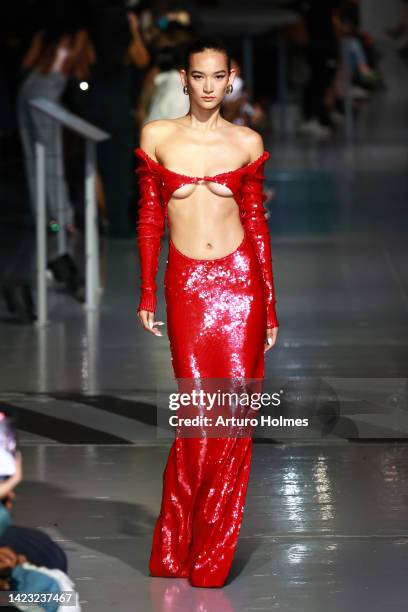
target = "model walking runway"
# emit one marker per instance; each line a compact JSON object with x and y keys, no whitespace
{"x":218,"y":313}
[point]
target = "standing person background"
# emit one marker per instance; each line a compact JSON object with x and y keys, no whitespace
{"x":55,"y":54}
{"x":323,"y":55}
{"x":119,"y":49}
{"x":168,"y":100}
{"x":204,"y":175}
{"x":399,"y":32}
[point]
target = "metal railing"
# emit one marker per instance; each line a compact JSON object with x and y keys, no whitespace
{"x":92,"y":135}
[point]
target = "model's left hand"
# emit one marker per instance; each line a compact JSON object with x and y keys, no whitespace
{"x":271,"y":335}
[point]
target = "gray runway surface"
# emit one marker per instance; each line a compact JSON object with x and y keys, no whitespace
{"x":324,"y":529}
{"x":326,"y":520}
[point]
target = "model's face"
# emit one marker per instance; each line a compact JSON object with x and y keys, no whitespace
{"x":207,"y":78}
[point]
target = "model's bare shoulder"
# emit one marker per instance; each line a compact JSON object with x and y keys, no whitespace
{"x":153,"y":133}
{"x":252,"y":141}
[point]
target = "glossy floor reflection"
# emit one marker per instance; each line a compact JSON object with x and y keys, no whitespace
{"x":325,"y":529}
{"x":325,"y":526}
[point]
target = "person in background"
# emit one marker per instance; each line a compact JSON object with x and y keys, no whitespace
{"x":17,"y":541}
{"x":362,"y":62}
{"x":238,"y":108}
{"x":168,"y":100}
{"x":29,"y":559}
{"x":107,"y":103}
{"x":323,"y":56}
{"x":55,"y":54}
{"x":168,"y":37}
{"x":362,"y":55}
{"x":399,"y":32}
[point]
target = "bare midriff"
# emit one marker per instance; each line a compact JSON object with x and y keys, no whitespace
{"x":202,"y":223}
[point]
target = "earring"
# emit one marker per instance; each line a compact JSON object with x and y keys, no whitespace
{"x":229,"y":89}
{"x":185,"y":90}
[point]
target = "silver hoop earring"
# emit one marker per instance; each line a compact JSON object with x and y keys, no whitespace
{"x":229,"y":89}
{"x":185,"y":90}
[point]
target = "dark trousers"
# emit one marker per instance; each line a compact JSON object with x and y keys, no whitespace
{"x":323,"y":66}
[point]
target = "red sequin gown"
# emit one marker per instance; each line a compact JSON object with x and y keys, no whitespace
{"x":217,"y":314}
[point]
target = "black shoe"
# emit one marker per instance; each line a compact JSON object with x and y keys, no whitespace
{"x":65,"y":271}
{"x":61,"y":267}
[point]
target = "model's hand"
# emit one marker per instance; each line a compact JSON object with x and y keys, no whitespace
{"x":147,"y":320}
{"x":271,"y":335}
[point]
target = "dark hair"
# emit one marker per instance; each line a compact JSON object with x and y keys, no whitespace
{"x":204,"y":43}
{"x":170,"y":57}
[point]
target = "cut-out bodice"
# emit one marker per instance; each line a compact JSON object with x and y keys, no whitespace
{"x":159,"y":184}
{"x":176,"y":185}
{"x":186,"y":191}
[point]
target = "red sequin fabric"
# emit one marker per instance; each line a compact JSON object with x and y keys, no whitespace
{"x":157,"y":184}
{"x":217,"y":314}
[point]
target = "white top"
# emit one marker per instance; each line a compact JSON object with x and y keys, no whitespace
{"x":168,"y":100}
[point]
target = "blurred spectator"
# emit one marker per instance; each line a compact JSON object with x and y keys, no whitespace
{"x":362,"y":60}
{"x":169,"y":36}
{"x":323,"y":57}
{"x":54,"y":54}
{"x":237,"y":107}
{"x":29,"y":560}
{"x":167,"y":100}
{"x":119,"y":49}
{"x":399,"y":32}
{"x":35,"y":545}
{"x":361,"y":52}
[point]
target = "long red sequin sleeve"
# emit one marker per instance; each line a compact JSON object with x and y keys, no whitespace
{"x":256,"y":224}
{"x":149,"y":231}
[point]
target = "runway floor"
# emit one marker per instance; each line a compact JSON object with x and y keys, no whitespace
{"x":324,"y":529}
{"x":326,"y":520}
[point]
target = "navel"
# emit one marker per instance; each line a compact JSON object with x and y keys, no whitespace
{"x":209,"y":245}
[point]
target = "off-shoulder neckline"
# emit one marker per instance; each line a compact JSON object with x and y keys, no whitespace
{"x":265,"y":155}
